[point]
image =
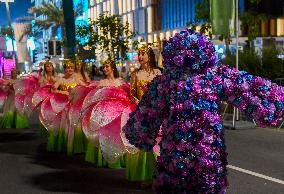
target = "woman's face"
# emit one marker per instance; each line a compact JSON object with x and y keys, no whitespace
{"x":107,"y":69}
{"x":143,"y":58}
{"x":48,"y":67}
{"x":78,"y":66}
{"x":69,"y":70}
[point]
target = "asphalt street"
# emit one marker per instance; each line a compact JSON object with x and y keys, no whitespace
{"x":26,"y":168}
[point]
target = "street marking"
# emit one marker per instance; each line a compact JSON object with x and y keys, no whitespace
{"x":256,"y":174}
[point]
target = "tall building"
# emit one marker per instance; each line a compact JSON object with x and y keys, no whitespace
{"x":274,"y":25}
{"x":150,"y":19}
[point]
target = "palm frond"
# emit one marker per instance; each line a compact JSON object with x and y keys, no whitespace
{"x":24,"y":19}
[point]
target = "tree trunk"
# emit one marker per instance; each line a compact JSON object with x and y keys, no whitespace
{"x":69,"y":21}
{"x":64,"y":41}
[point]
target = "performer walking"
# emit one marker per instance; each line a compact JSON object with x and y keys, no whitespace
{"x":185,"y":102}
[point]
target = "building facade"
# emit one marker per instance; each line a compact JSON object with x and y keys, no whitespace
{"x":161,"y":18}
{"x":152,"y":20}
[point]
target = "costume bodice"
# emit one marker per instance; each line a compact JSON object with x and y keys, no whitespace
{"x":67,"y":87}
{"x":139,"y":83}
{"x":68,"y":84}
{"x":141,"y":87}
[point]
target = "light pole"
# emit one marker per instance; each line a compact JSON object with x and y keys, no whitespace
{"x":8,"y":16}
{"x":8,"y":9}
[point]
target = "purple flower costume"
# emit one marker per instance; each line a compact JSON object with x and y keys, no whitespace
{"x":185,"y":101}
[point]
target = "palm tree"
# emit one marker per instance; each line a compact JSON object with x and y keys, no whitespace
{"x":52,"y":17}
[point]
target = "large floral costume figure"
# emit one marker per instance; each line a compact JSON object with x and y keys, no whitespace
{"x":185,"y":101}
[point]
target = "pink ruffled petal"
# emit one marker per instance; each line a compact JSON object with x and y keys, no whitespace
{"x":40,"y":95}
{"x":111,"y":93}
{"x":89,"y":129}
{"x":19,"y":103}
{"x":58,"y":102}
{"x":74,"y":113}
{"x":79,"y":92}
{"x":106,"y":111}
{"x":3,"y":97}
{"x":124,"y":118}
{"x":88,"y":101}
{"x":49,"y":118}
{"x":110,"y":141}
{"x":25,"y":85}
{"x":28,"y":106}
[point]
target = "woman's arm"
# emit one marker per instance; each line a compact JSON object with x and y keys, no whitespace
{"x":259,"y":98}
{"x":55,"y":86}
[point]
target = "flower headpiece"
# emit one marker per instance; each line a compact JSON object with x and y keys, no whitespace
{"x":47,"y":63}
{"x":145,"y":48}
{"x":189,"y":50}
{"x":68,"y":63}
{"x":108,"y":61}
{"x":78,"y":61}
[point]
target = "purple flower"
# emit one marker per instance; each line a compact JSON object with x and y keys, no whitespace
{"x":178,"y":60}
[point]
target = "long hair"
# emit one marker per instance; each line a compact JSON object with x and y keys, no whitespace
{"x":113,"y":67}
{"x":44,"y":68}
{"x":82,"y":70}
{"x":152,"y":57}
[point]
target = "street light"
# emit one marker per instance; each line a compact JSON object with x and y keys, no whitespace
{"x":7,"y":9}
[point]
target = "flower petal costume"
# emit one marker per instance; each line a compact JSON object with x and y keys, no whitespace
{"x":102,"y":117}
{"x":185,"y":101}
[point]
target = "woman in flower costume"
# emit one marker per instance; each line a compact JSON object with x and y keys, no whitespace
{"x":46,"y":80}
{"x":104,"y":111}
{"x":140,"y":166}
{"x":11,"y":117}
{"x":76,"y":142}
{"x":186,"y":101}
{"x":24,"y":88}
{"x":53,"y":114}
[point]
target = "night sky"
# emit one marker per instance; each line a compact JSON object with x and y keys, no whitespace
{"x":17,"y":9}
